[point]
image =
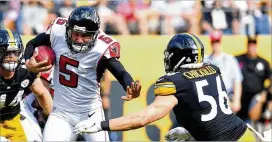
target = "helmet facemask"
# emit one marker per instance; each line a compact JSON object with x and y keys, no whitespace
{"x":88,"y":38}
{"x":167,"y":60}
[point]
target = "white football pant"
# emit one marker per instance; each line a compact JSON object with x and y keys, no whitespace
{"x":60,"y":124}
{"x":29,"y":121}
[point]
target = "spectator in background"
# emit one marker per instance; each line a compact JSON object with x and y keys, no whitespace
{"x":50,"y":17}
{"x":262,"y":19}
{"x":178,"y":16}
{"x":230,"y":71}
{"x":4,"y":6}
{"x":247,"y":21}
{"x":260,"y":110}
{"x":12,"y":14}
{"x":47,"y":4}
{"x":218,"y":18}
{"x":138,"y":14}
{"x":66,"y":7}
{"x":254,"y":17}
{"x":108,"y":16}
{"x":33,"y":16}
{"x":255,"y":71}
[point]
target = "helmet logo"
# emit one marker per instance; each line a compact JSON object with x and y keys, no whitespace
{"x":188,"y":59}
{"x":77,"y":28}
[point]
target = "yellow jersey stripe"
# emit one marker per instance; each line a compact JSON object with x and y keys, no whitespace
{"x":168,"y":86}
{"x":165,"y":83}
{"x":198,"y":47}
{"x":165,"y":88}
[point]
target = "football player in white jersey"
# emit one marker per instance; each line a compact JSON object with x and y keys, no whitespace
{"x":83,"y":52}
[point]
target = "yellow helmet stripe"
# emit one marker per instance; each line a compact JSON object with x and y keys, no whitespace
{"x":11,"y":38}
{"x":199,"y":56}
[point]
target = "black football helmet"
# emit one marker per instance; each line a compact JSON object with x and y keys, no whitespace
{"x":10,"y":42}
{"x":183,"y":49}
{"x":83,"y":19}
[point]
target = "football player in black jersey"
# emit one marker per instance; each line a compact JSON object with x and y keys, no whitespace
{"x":14,"y":80}
{"x":193,"y":90}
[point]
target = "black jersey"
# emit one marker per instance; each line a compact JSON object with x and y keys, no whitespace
{"x":202,"y":106}
{"x":12,"y":91}
{"x":255,"y":72}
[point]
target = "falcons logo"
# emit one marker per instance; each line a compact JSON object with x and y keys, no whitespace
{"x":115,"y":50}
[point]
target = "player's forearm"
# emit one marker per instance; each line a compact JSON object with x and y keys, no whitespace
{"x":130,"y":122}
{"x":124,"y":79}
{"x":155,"y":111}
{"x":42,"y":94}
{"x":45,"y":102}
{"x":119,"y":72}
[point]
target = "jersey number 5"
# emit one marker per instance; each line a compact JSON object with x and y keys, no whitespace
{"x":73,"y":80}
{"x":222,"y":95}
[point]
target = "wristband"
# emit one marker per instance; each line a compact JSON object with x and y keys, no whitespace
{"x":105,"y":125}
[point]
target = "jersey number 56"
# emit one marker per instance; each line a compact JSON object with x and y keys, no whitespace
{"x":222,"y":95}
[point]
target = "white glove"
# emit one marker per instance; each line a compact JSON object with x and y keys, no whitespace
{"x":178,"y":134}
{"x":87,"y":126}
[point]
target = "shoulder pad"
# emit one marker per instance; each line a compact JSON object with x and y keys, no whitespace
{"x":170,"y":84}
{"x":57,"y":30}
{"x":58,"y":26}
{"x":113,"y":46}
{"x":164,"y":87}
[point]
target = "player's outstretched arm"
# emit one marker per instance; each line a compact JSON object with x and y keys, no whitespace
{"x":161,"y":106}
{"x":31,"y":64}
{"x":43,"y":95}
{"x":132,"y":88}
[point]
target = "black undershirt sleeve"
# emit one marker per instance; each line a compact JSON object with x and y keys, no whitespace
{"x":119,"y":72}
{"x":41,"y":39}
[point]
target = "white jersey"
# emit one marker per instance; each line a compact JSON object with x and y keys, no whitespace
{"x":76,"y":81}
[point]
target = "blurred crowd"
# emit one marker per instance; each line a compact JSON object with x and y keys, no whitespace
{"x":145,"y":17}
